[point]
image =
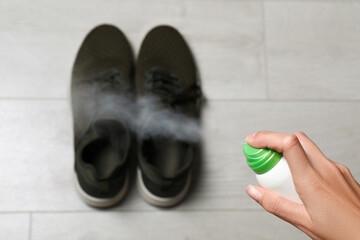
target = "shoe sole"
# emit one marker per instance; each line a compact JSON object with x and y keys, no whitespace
{"x":159,"y":201}
{"x":101,"y":202}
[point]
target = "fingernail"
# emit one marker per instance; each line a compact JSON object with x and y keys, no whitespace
{"x":255,"y":193}
{"x":250,"y":136}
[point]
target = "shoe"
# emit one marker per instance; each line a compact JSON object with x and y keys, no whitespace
{"x":169,"y":95}
{"x":102,"y":84}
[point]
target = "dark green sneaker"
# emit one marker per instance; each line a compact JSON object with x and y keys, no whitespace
{"x":102,"y":86}
{"x":169,"y":98}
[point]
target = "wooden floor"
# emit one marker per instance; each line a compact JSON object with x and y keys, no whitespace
{"x":264,"y":65}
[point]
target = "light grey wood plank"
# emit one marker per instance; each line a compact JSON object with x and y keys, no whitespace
{"x":14,"y":226}
{"x":313,"y":49}
{"x":36,"y":155}
{"x":228,"y":45}
{"x":39,"y":41}
{"x":162,"y":225}
{"x":37,"y":151}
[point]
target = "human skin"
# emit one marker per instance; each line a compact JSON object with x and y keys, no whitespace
{"x":330,"y":194}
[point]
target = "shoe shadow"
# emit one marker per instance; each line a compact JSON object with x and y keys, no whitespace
{"x":197,"y":173}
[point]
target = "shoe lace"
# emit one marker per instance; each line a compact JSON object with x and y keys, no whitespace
{"x":165,"y":84}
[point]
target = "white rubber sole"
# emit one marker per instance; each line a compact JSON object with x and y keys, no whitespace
{"x":101,"y":202}
{"x":159,"y":201}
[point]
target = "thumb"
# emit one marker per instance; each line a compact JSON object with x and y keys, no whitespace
{"x":292,"y":212}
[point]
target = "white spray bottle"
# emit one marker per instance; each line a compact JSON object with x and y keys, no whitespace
{"x":272,"y":171}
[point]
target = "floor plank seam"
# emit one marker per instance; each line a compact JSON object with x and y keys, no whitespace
{"x":130,"y":211}
{"x":212,"y":100}
{"x":316,"y":1}
{"x":31,"y":99}
{"x":265,"y":70}
{"x":30,"y":226}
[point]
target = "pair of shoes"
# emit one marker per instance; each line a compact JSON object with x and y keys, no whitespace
{"x":122,"y":115}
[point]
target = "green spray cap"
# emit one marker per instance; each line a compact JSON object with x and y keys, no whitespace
{"x":261,"y":160}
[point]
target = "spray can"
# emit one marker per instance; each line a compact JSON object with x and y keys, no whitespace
{"x":272,"y":171}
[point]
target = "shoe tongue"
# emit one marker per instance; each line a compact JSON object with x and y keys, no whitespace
{"x":170,"y":156}
{"x":166,"y":123}
{"x":166,"y":146}
{"x":162,"y":124}
{"x":110,"y":129}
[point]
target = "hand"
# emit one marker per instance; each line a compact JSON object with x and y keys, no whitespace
{"x":330,"y":194}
